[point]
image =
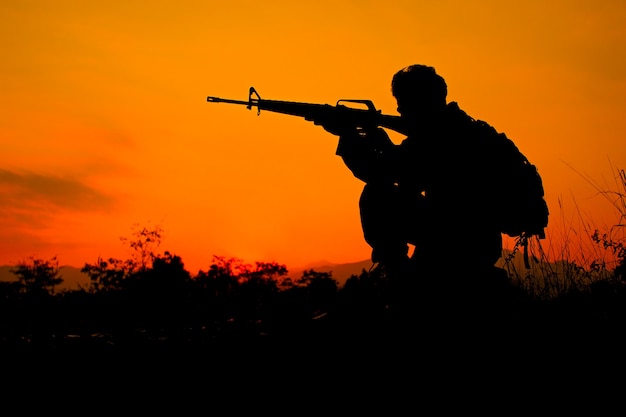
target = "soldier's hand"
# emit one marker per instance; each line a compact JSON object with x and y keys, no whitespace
{"x":378,"y":140}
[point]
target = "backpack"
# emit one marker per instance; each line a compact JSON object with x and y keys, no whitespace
{"x":522,"y":211}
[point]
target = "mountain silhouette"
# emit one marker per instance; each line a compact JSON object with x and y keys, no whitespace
{"x":340,"y":272}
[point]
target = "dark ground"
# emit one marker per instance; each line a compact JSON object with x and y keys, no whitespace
{"x":503,"y":355}
{"x":380,"y":363}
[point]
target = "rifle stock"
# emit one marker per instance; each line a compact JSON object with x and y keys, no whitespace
{"x":362,"y":118}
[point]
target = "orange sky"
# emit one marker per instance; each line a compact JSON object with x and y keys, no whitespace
{"x":104,"y":121}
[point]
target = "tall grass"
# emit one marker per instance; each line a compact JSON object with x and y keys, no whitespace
{"x":579,"y":253}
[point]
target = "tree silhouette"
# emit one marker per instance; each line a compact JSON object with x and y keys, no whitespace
{"x":108,"y":275}
{"x":144,"y":243}
{"x":35,"y":314}
{"x":38,"y":276}
{"x":321,"y":290}
{"x":217,"y":288}
{"x":112,"y":274}
{"x":159,"y":295}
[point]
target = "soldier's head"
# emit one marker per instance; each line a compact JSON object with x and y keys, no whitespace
{"x":419,"y":91}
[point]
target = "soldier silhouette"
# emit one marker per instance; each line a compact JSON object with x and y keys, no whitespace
{"x":431,"y":190}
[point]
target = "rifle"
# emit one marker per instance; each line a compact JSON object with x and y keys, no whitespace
{"x":363,"y":119}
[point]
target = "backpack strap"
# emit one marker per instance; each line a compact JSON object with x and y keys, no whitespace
{"x":523,"y":239}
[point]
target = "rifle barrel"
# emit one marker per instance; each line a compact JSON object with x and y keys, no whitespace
{"x":225,"y":100}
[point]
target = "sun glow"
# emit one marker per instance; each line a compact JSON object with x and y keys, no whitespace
{"x":105,"y":123}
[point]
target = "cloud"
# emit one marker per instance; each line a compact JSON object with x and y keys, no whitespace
{"x":31,"y":190}
{"x":32,"y":203}
{"x":29,"y":202}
